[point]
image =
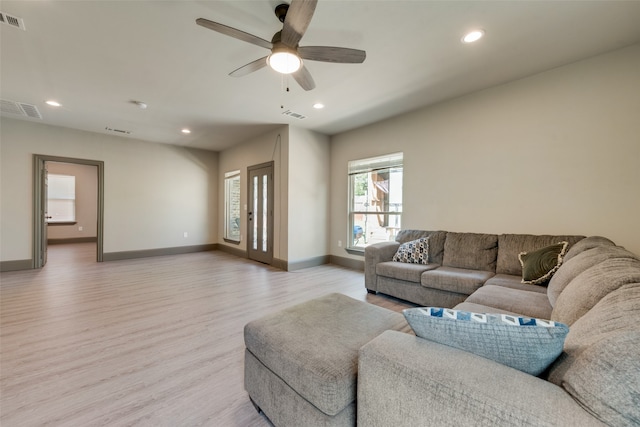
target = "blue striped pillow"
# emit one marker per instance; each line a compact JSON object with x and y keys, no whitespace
{"x":527,"y":344}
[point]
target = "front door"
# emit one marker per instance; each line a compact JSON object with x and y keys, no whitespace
{"x":260,"y":214}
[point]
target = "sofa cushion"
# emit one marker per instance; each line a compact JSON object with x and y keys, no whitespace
{"x":526,"y":344}
{"x":586,"y":259}
{"x":471,"y":251}
{"x":510,"y":245}
{"x":479,"y":308}
{"x":599,"y":366}
{"x":413,"y":252}
{"x":538,"y":266}
{"x":605,"y":379}
{"x":514,"y":282}
{"x":592,"y":285}
{"x":586,"y":244}
{"x":404,"y":236}
{"x":403,"y":271}
{"x":457,"y":280}
{"x":526,"y":303}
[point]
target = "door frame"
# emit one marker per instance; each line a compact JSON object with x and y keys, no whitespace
{"x":39,"y":161}
{"x":270,"y":215}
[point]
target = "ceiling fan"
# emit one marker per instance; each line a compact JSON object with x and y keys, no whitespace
{"x":286,"y":56}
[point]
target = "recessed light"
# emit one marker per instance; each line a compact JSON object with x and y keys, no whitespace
{"x":53,"y":103}
{"x":185,"y":130}
{"x":473,"y":36}
{"x":318,"y":106}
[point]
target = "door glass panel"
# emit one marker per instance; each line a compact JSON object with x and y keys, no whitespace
{"x":255,"y":213}
{"x":265,"y":206}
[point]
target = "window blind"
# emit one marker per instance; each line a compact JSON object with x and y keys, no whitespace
{"x":372,"y":164}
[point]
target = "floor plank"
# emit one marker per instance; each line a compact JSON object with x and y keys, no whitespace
{"x":153,"y":341}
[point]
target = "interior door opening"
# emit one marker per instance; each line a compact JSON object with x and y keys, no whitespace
{"x":93,"y":219}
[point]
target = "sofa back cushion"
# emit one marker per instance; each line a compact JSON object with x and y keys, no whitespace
{"x":599,"y":365}
{"x":584,"y":260}
{"x":586,"y":244}
{"x":511,"y":245}
{"x":436,"y":242}
{"x":590,"y":286}
{"x":472,"y":251}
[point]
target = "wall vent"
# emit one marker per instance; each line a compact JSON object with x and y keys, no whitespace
{"x":294,"y":115}
{"x":19,"y":109}
{"x":11,"y":20}
{"x":121,"y":131}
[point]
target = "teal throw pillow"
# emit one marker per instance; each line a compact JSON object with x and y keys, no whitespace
{"x":527,"y":344}
{"x":413,"y":252}
{"x":538,"y":266}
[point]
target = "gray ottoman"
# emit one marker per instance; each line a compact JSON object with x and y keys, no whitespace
{"x":301,"y":363}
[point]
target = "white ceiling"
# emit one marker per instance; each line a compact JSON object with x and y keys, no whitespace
{"x":96,"y":57}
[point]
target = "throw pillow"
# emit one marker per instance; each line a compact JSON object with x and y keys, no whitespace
{"x":413,"y":252}
{"x":538,"y":266}
{"x":527,"y":344}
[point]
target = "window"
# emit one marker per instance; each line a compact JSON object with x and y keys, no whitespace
{"x":232,"y":206}
{"x":375,"y":200}
{"x":61,"y":198}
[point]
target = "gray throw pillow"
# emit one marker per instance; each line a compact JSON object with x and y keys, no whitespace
{"x":527,"y":344}
{"x":538,"y":266}
{"x":413,"y":252}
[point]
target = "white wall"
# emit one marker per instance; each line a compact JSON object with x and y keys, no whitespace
{"x":309,"y":157}
{"x":86,"y":201}
{"x":272,"y":146}
{"x":153,"y":192}
{"x":555,"y":153}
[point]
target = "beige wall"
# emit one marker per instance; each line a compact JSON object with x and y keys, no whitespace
{"x":86,"y":201}
{"x":153,"y":192}
{"x":309,"y":157}
{"x":272,"y":146}
{"x":555,"y":153}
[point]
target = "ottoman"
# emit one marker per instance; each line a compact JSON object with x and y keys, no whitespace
{"x":301,"y":363}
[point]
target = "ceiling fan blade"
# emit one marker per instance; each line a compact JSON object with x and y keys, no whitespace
{"x":341,"y":55}
{"x":297,"y":20}
{"x":304,"y":79}
{"x":234,"y":32}
{"x":250,"y":67}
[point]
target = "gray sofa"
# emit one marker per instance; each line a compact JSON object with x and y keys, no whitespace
{"x":335,"y":361}
{"x":407,"y":380}
{"x":459,"y":265}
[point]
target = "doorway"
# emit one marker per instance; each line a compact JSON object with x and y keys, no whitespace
{"x":260,"y":215}
{"x":40,"y":222}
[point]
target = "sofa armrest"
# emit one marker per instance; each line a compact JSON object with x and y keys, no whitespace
{"x":374,"y":254}
{"x":404,"y":380}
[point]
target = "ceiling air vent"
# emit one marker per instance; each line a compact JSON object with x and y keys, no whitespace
{"x":120,"y":131}
{"x":294,"y":115}
{"x":11,"y":20}
{"x":20,"y":109}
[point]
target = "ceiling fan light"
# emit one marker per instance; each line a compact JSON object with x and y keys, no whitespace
{"x":284,"y":62}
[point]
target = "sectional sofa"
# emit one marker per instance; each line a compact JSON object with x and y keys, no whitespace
{"x":485,"y":361}
{"x":409,"y":380}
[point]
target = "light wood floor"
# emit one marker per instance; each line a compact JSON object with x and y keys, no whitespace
{"x":154,"y":341}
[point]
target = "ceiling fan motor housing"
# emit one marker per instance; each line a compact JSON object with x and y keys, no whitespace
{"x":281,"y":11}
